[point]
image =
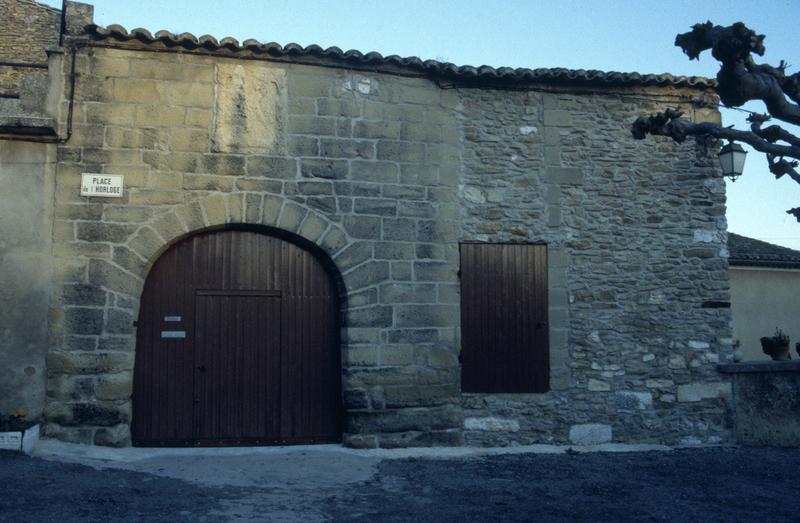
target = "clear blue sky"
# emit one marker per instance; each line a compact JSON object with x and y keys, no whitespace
{"x":618,"y":35}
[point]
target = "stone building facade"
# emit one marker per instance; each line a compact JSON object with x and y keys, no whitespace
{"x":387,"y":165}
{"x":27,"y":29}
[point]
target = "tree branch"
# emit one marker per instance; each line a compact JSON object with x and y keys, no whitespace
{"x":669,"y":123}
{"x":789,"y":84}
{"x":738,"y":41}
{"x":740,"y":79}
{"x":773,"y":133}
{"x":779,"y":167}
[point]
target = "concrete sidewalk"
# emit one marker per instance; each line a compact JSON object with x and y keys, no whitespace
{"x":314,"y":465}
{"x":72,"y":452}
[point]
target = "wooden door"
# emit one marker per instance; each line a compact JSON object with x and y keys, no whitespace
{"x":504,"y":333}
{"x":237,"y":343}
{"x":237,"y":355}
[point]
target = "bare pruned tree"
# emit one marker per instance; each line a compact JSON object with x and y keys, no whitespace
{"x":739,"y":81}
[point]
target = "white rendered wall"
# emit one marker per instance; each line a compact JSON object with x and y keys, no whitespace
{"x":761,"y":300}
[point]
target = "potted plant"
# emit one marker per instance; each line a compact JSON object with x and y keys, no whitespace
{"x":17,"y":432}
{"x":777,"y":346}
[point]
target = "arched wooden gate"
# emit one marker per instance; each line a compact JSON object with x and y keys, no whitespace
{"x":237,"y":343}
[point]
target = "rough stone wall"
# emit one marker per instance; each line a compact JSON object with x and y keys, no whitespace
{"x":27,"y":28}
{"x":636,"y":236}
{"x":366,"y":166}
{"x":26,"y":179}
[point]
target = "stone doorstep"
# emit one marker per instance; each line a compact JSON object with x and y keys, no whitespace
{"x":23,"y":441}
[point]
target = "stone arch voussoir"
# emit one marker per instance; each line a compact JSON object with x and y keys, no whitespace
{"x":216,"y":210}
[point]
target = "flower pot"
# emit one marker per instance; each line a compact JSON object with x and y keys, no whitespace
{"x":20,"y":440}
{"x":776,"y":348}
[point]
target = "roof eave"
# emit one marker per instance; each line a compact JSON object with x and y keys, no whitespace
{"x":375,"y":62}
{"x":767,"y":264}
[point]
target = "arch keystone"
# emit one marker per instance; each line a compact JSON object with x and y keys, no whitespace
{"x":235,"y":206}
{"x":214,"y":208}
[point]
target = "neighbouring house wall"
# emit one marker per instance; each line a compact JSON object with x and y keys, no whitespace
{"x":763,"y":299}
{"x":26,"y":207}
{"x":27,"y":28}
{"x":387,"y":174}
{"x":767,"y":402}
{"x":26,"y":185}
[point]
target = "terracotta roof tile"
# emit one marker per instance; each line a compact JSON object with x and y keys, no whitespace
{"x":393,"y":63}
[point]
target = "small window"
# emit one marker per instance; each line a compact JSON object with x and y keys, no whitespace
{"x":504,"y":346}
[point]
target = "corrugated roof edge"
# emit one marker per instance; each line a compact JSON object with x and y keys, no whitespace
{"x":749,"y":252}
{"x":377,"y":62}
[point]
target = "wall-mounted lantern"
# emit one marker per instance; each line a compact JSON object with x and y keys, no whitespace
{"x":731,"y":158}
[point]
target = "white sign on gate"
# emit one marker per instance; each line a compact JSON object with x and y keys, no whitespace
{"x":105,"y":185}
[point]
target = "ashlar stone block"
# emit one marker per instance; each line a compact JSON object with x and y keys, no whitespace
{"x":291,"y":217}
{"x":426,"y":315}
{"x":370,"y":317}
{"x":214,"y":208}
{"x":564,"y":175}
{"x":367,"y":274}
{"x":355,"y":254}
{"x":557,"y":118}
{"x":590,"y":434}
{"x":114,"y":386}
{"x":87,"y":363}
{"x":327,"y":169}
{"x":271,"y":209}
{"x":146,"y":243}
{"x":169,"y":226}
{"x":699,"y":391}
{"x":250,"y":107}
{"x":491,"y":424}
{"x":131,"y":90}
{"x":313,"y":227}
{"x":235,"y":207}
{"x":252,"y":213}
{"x":110,"y":276}
{"x":159,"y":116}
{"x":334,"y":240}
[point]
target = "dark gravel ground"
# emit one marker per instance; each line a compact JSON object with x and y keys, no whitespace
{"x":37,"y":490}
{"x":683,"y":485}
{"x":716,"y":484}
